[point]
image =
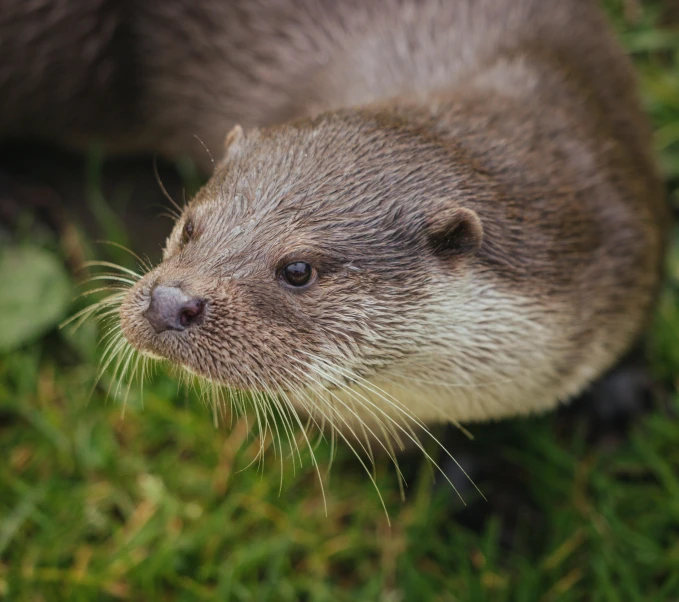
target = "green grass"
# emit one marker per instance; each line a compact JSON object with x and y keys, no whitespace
{"x":160,"y":505}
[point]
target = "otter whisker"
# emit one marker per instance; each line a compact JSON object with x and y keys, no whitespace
{"x":288,"y":409}
{"x":207,"y":150}
{"x":372,"y":478}
{"x":146,"y":264}
{"x":215,"y":418}
{"x":311,"y":418}
{"x":108,"y":288}
{"x":287,"y":425}
{"x":261,"y":400}
{"x":274,"y":404}
{"x":218,"y":393}
{"x":394,"y":403}
{"x":386,"y":431}
{"x":262,"y":409}
{"x":365,"y":449}
{"x":94,"y":308}
{"x":431,"y":404}
{"x":169,"y":212}
{"x":311,"y":424}
{"x":100,"y":312}
{"x":98,"y":315}
{"x":113,"y":348}
{"x":314,"y":461}
{"x":262,"y":418}
{"x":119,"y":353}
{"x":171,"y":215}
{"x":134,"y":358}
{"x":112,"y":277}
{"x":352,"y":377}
{"x":166,"y":194}
{"x":312,"y":407}
{"x":210,"y":400}
{"x":113,"y":266}
{"x":384,"y":442}
{"x":333,"y":447}
{"x":142,"y":378}
{"x":113,"y":342}
{"x":111,"y":329}
{"x":106,"y":313}
{"x":120,"y":372}
{"x":364,"y":428}
{"x":389,"y":436}
{"x":239,"y":403}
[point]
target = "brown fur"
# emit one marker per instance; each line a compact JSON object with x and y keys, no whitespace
{"x":515,"y":122}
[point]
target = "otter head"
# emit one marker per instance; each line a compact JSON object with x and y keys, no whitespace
{"x":315,"y":257}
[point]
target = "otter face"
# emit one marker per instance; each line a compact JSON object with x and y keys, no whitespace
{"x":306,"y":261}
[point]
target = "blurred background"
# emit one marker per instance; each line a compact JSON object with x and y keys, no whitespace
{"x":159,"y":504}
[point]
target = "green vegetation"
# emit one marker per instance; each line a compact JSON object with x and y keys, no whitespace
{"x":160,"y":505}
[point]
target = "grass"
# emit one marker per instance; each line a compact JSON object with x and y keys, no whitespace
{"x":160,"y":505}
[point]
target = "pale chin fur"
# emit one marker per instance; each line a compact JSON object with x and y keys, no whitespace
{"x":499,"y":361}
{"x":155,"y":356}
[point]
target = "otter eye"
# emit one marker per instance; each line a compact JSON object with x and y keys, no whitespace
{"x":187,"y":232}
{"x":297,"y":274}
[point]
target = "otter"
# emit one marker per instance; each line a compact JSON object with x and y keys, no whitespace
{"x":424,"y":211}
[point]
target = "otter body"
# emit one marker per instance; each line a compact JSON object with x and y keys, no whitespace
{"x":430,"y":211}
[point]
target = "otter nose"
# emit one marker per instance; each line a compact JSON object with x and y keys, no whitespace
{"x":172,"y":309}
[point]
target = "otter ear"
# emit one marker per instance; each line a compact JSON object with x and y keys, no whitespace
{"x":233,"y":142}
{"x":455,"y":233}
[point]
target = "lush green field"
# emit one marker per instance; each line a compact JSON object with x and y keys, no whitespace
{"x":161,"y":505}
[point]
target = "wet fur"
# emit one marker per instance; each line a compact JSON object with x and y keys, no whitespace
{"x":369,"y":128}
